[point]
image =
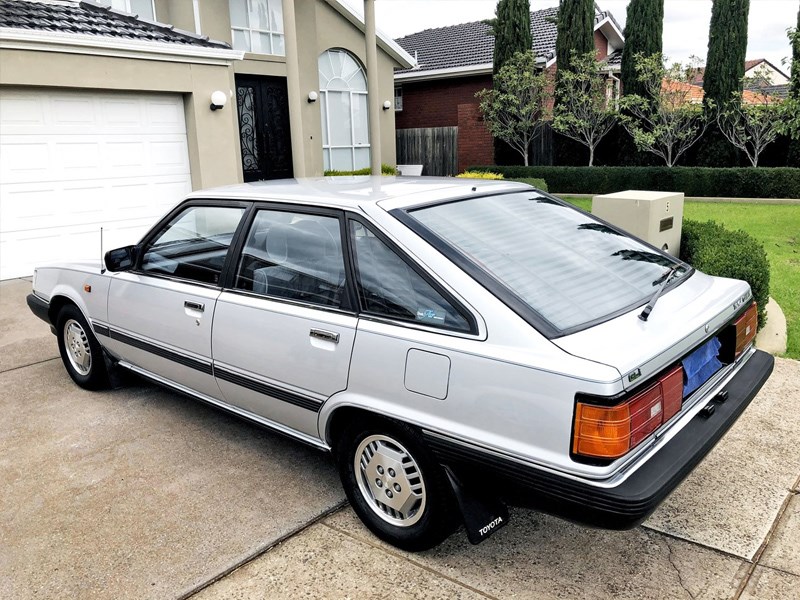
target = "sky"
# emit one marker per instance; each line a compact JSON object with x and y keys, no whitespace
{"x":685,"y":22}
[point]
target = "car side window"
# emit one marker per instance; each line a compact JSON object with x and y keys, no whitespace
{"x":294,"y":256}
{"x":194,"y":244}
{"x":388,"y":286}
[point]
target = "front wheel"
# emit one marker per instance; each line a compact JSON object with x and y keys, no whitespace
{"x":394,"y":484}
{"x":80,"y":351}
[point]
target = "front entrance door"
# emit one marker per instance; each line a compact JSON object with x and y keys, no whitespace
{"x":264,"y":132}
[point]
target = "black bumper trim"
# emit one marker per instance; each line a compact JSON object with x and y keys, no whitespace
{"x":632,"y":501}
{"x":39,"y":307}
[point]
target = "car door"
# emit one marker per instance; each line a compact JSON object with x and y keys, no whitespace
{"x":160,"y":313}
{"x":284,"y":325}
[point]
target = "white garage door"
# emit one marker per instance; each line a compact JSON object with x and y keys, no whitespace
{"x":73,"y":162}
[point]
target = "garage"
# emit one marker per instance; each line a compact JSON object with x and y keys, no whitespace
{"x":73,"y":162}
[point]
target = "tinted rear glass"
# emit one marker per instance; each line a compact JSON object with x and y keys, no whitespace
{"x":569,"y":268}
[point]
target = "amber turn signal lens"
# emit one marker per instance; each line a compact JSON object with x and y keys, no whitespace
{"x":746,"y":327}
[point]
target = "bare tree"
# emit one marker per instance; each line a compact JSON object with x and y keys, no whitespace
{"x":515,"y":109}
{"x":583,"y":111}
{"x":669,"y":119}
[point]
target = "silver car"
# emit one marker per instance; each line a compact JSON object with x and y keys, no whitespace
{"x":457,"y":345}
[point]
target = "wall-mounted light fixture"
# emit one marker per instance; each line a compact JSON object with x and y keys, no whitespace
{"x":312,"y":97}
{"x":218,"y":100}
{"x":387,"y":104}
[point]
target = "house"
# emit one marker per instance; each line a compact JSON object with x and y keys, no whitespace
{"x":760,"y":75}
{"x":108,"y":118}
{"x":454,"y":63}
{"x":680,"y":93}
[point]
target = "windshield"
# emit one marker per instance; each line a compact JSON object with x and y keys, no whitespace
{"x":567,"y":267}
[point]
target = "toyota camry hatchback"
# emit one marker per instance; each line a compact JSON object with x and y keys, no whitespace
{"x":457,"y":345}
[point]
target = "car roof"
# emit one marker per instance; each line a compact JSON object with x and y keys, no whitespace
{"x":352,"y":192}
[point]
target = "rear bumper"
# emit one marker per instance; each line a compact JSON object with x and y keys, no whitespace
{"x":39,"y":307}
{"x":629,"y":503}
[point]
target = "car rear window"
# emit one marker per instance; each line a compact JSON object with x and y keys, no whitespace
{"x":569,"y":268}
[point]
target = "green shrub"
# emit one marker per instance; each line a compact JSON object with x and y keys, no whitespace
{"x":385,"y":170}
{"x":539,"y":184}
{"x":714,"y":250}
{"x":747,"y":182}
{"x":480,"y":175}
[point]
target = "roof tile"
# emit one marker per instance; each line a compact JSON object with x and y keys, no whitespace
{"x":88,"y":18}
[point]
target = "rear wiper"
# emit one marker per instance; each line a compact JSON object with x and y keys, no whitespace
{"x":649,"y":308}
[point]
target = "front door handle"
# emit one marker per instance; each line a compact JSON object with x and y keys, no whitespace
{"x":198,"y":306}
{"x":321,"y":334}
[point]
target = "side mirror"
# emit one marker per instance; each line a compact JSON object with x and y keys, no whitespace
{"x":121,"y":259}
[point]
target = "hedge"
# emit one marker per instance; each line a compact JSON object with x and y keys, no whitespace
{"x":385,"y":170}
{"x":783,"y":182}
{"x":539,"y":184}
{"x":714,"y":250}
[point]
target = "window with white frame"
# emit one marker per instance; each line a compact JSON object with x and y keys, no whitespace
{"x":143,"y":8}
{"x":343,"y":103}
{"x":398,"y":98}
{"x":257,"y":26}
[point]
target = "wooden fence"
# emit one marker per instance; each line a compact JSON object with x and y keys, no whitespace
{"x":436,"y":148}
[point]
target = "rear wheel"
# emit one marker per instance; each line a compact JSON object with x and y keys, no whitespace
{"x":80,"y":351}
{"x":394,"y":484}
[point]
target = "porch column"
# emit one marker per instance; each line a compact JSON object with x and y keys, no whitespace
{"x":373,"y":106}
{"x":293,"y":89}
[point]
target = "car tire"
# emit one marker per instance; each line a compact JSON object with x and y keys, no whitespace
{"x":394,"y":484}
{"x":80,"y":351}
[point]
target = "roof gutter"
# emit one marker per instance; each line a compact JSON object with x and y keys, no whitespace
{"x":409,"y":76}
{"x":98,"y":45}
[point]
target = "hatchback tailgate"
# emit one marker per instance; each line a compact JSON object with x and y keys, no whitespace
{"x":682,"y":319}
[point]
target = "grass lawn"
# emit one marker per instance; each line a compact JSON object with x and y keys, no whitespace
{"x":777,"y":226}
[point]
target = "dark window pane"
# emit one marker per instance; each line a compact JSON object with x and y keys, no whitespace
{"x":294,"y":256}
{"x":194,"y":244}
{"x":389,"y":287}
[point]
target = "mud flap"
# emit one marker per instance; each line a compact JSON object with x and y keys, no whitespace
{"x":483,"y":514}
{"x":115,"y":380}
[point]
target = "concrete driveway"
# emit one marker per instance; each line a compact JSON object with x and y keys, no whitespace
{"x":141,"y":493}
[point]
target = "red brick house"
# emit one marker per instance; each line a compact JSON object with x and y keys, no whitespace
{"x":455,"y":62}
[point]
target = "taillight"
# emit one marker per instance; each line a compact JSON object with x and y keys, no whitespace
{"x":611,"y":432}
{"x":746,"y":327}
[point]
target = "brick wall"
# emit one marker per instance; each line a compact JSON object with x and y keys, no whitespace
{"x":475,"y":145}
{"x":435,"y":103}
{"x":601,"y":44}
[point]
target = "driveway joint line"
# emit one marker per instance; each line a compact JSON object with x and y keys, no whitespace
{"x":673,"y":536}
{"x":33,"y":364}
{"x":767,"y":539}
{"x":261,"y":551}
{"x":424,"y":567}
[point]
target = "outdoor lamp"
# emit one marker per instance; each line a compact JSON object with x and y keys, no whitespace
{"x":218,"y":100}
{"x":312,"y":97}
{"x":387,"y":105}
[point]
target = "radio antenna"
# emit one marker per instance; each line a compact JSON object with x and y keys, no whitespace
{"x":102,"y":262}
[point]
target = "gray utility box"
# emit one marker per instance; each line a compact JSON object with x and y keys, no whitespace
{"x":656,"y":217}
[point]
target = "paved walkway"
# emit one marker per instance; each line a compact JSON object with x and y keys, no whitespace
{"x":140,"y":493}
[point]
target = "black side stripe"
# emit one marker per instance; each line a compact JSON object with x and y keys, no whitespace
{"x":186,"y":361}
{"x":101,"y":330}
{"x":269,"y":390}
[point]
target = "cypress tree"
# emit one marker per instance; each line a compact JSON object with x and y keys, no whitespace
{"x":727,"y":48}
{"x":511,"y":29}
{"x":575,"y":30}
{"x":794,"y":91}
{"x":644,"y":32}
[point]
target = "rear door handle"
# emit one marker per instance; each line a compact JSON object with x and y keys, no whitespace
{"x":198,"y":306}
{"x":321,"y":334}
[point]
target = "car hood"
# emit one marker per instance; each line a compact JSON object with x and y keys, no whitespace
{"x":682,"y":318}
